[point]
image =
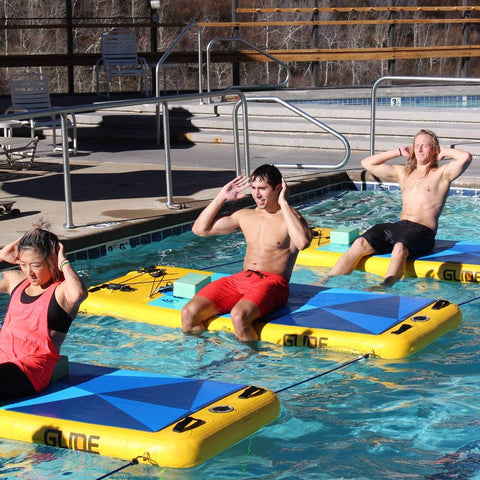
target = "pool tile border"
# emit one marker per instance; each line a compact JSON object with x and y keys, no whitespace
{"x":457,"y":101}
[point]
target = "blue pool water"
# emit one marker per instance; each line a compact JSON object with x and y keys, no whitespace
{"x":449,"y":101}
{"x":413,"y":418}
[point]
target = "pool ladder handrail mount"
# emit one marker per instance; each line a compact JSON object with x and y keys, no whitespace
{"x":298,"y":112}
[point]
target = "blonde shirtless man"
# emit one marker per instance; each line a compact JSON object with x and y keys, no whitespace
{"x":424,"y":184}
{"x":274,"y":233}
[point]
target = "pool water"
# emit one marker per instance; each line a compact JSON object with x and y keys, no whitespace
{"x":415,"y":418}
{"x":448,"y":101}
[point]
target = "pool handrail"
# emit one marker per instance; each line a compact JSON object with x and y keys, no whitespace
{"x":169,"y":50}
{"x":299,"y":112}
{"x":253,"y":47}
{"x":162,"y":60}
{"x":373,"y":106}
{"x":63,"y":112}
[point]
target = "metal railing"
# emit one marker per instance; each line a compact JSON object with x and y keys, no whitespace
{"x":163,"y":60}
{"x":259,"y":50}
{"x":63,"y":112}
{"x":408,"y":79}
{"x":299,"y":112}
{"x":169,"y":51}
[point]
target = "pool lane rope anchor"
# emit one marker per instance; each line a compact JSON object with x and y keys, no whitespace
{"x":133,"y":461}
{"x":248,"y":392}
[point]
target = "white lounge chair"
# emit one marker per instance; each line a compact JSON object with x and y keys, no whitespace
{"x":30,"y":92}
{"x":119,"y":59}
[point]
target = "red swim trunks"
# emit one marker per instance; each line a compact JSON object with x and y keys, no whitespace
{"x":269,"y":291}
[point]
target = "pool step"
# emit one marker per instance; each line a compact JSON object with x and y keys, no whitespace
{"x":274,"y":125}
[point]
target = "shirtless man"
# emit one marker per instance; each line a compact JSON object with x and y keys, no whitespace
{"x":274,"y":233}
{"x":424,"y":185}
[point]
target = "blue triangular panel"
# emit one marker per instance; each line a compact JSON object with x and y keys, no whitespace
{"x":454,"y":257}
{"x":341,"y":296}
{"x":304,"y":308}
{"x":451,"y":252}
{"x":410,"y":305}
{"x":177,"y":394}
{"x":444,"y":251}
{"x":304,"y":292}
{"x":386,"y":306}
{"x":122,"y":381}
{"x":372,"y":324}
{"x":158,"y":401}
{"x":66,"y":394}
{"x":151,"y":417}
{"x":92,"y":409}
{"x":299,"y":296}
{"x":446,"y":246}
{"x":320,"y":318}
{"x":472,"y":247}
{"x":212,"y":391}
{"x":347,"y":310}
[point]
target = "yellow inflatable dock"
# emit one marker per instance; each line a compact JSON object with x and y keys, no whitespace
{"x":449,"y":260}
{"x":388,"y":326}
{"x":166,"y":421}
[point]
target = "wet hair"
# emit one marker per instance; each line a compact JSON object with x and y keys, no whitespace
{"x":42,"y":241}
{"x":411,"y":163}
{"x":267,"y":172}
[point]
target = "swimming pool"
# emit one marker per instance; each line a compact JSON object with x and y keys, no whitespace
{"x":449,"y":101}
{"x":377,"y":419}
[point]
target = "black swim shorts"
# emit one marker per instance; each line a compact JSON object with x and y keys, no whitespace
{"x":418,"y":238}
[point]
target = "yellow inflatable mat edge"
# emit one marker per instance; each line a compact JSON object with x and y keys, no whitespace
{"x":142,"y":303}
{"x":65,"y":416}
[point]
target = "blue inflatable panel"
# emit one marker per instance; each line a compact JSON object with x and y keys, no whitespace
{"x":454,"y":252}
{"x":123,"y":398}
{"x":162,"y":420}
{"x":332,"y":309}
{"x":444,"y":251}
{"x":346,"y":310}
